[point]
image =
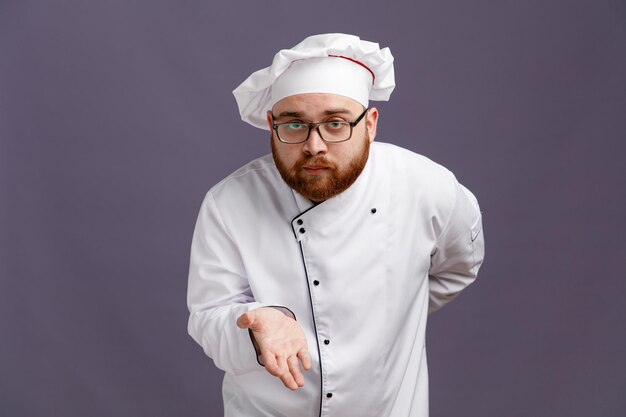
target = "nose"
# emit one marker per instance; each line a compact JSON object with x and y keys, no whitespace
{"x":314,"y":144}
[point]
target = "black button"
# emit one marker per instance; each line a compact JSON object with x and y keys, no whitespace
{"x":326,"y":342}
{"x":373,"y":210}
{"x":329,"y":395}
{"x":302,"y":230}
{"x":299,"y":221}
{"x":316,"y":282}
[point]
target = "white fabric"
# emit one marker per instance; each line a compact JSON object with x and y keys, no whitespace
{"x":257,"y":242}
{"x":331,"y":75}
{"x":254,"y":95}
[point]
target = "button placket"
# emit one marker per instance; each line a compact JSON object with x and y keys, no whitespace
{"x":299,"y":228}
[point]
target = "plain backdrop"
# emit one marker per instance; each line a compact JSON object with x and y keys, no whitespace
{"x":117,"y":116}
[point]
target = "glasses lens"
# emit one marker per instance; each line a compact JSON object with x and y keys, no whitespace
{"x":335,"y":131}
{"x":297,"y":132}
{"x":293,"y":132}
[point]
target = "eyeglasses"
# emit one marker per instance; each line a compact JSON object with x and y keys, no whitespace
{"x":332,"y":132}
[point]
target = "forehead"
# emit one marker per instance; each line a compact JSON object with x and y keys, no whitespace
{"x":316,"y":104}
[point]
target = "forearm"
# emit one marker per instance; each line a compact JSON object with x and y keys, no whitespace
{"x":215,"y":329}
{"x":218,"y":292}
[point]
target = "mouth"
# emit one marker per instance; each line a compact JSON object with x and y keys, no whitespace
{"x":314,"y":169}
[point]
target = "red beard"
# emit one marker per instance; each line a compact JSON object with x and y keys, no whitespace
{"x":334,"y":181}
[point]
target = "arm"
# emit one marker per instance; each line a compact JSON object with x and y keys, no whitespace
{"x":459,"y":250}
{"x":232,"y":328}
{"x":218,"y":293}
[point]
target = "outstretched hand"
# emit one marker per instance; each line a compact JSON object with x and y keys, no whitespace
{"x":281,"y":343}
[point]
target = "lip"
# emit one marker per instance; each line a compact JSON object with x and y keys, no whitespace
{"x":314,"y":169}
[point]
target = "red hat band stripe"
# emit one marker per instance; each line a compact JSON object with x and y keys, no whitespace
{"x":357,"y":62}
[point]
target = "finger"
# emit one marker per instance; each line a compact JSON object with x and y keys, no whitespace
{"x":283,"y":373}
{"x":305,"y":358}
{"x":270,"y":363}
{"x":287,"y":378}
{"x":245,"y":320}
{"x":294,"y":369}
{"x":280,"y":369}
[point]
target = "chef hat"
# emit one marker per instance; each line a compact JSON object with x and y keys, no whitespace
{"x":332,"y":63}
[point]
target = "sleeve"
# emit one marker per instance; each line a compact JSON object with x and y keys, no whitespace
{"x":218,"y":293}
{"x":459,"y":250}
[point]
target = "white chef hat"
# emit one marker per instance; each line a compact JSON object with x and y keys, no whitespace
{"x":330,"y":63}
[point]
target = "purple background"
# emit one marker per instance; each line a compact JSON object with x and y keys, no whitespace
{"x":117,"y":116}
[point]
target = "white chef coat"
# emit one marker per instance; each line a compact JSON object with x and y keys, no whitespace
{"x":360,"y":272}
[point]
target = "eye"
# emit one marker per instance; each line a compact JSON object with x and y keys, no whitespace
{"x":335,"y":124}
{"x":294,"y":126}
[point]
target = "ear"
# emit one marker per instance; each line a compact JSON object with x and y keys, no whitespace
{"x":371,"y":122}
{"x":269,"y":119}
{"x":270,"y":122}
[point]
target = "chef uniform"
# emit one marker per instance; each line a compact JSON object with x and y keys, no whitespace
{"x":359,"y":272}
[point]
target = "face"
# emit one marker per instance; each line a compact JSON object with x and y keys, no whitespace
{"x":316,"y":169}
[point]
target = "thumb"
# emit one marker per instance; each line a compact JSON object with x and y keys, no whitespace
{"x":245,"y":320}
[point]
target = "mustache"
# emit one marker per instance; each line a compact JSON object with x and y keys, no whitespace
{"x":316,"y":161}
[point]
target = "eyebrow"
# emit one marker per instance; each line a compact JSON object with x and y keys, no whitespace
{"x":329,"y":112}
{"x":290,"y":114}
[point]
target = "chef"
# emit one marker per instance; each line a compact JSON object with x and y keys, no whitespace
{"x":313,"y":269}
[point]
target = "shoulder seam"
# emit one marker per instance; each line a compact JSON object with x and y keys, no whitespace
{"x":238,"y":174}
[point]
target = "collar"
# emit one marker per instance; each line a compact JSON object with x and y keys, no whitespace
{"x":335,"y":211}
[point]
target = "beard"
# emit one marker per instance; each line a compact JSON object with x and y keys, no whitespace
{"x":335,"y":180}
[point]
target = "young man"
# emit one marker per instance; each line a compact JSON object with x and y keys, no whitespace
{"x":314,"y":268}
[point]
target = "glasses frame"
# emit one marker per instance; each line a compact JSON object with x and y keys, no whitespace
{"x":316,"y":126}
